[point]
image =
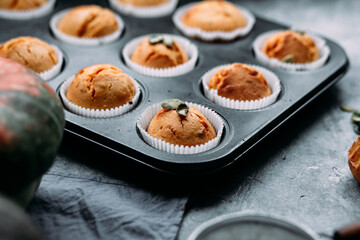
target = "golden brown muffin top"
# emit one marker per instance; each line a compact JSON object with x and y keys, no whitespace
{"x":21,"y":4}
{"x":143,"y":3}
{"x":30,"y":52}
{"x":88,"y":21}
{"x":214,"y":16}
{"x":159,"y":55}
{"x":100,"y":86}
{"x":192,"y":130}
{"x":290,"y":46}
{"x":240,"y":82}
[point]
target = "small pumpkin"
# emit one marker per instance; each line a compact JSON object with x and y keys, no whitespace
{"x":15,"y":224}
{"x":31,"y":126}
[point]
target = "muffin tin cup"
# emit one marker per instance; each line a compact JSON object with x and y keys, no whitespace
{"x":96,"y":113}
{"x":55,"y":70}
{"x":28,"y":14}
{"x":215,"y":120}
{"x":272,"y":80}
{"x":274,"y":62}
{"x":55,"y":20}
{"x":216,"y":35}
{"x":181,"y":69}
{"x":144,"y":12}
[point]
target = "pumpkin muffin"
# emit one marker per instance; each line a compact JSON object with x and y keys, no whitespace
{"x":21,"y":4}
{"x":240,"y":82}
{"x":101,"y":86}
{"x":214,"y":16}
{"x":30,"y":52}
{"x":159,"y":51}
{"x":354,"y":159}
{"x":189,"y":130}
{"x":292,"y":47}
{"x":143,"y":3}
{"x":88,"y":21}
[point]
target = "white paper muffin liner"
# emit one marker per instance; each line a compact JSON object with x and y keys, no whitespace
{"x":186,"y":67}
{"x":215,"y":35}
{"x":96,"y":113}
{"x":55,"y":20}
{"x":320,"y":43}
{"x":145,"y":119}
{"x":28,"y":14}
{"x":47,"y":75}
{"x":144,"y":12}
{"x":212,"y":94}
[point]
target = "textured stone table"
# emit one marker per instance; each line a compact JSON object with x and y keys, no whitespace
{"x":301,"y":173}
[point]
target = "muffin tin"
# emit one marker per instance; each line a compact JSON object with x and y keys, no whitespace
{"x":243,"y":130}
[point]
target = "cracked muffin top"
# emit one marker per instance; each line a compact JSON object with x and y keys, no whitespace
{"x":189,"y":130}
{"x":143,"y":3}
{"x":293,"y":47}
{"x":30,"y":52}
{"x":214,"y":16}
{"x":88,"y":21}
{"x":101,"y":86}
{"x":21,"y":4}
{"x":159,"y":51}
{"x":240,"y":82}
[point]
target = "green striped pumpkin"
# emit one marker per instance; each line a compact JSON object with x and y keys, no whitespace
{"x":31,"y":127}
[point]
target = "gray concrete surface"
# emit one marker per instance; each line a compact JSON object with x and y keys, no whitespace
{"x":301,"y":173}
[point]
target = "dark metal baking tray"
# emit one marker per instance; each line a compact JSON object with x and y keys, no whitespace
{"x":243,"y":129}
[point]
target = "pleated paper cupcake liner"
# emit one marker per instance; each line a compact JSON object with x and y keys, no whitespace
{"x":144,"y":12}
{"x":28,"y":14}
{"x":181,"y":69}
{"x":96,"y":113}
{"x":55,"y":70}
{"x":274,"y":62}
{"x":55,"y":20}
{"x":212,"y":94}
{"x":216,"y":35}
{"x":215,"y":120}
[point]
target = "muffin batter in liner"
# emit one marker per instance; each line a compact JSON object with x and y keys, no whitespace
{"x":98,"y":113}
{"x":144,"y":12}
{"x":215,"y":120}
{"x":28,"y":14}
{"x":55,"y":20}
{"x":216,"y":35}
{"x":320,"y":43}
{"x":272,"y":80}
{"x":181,"y":69}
